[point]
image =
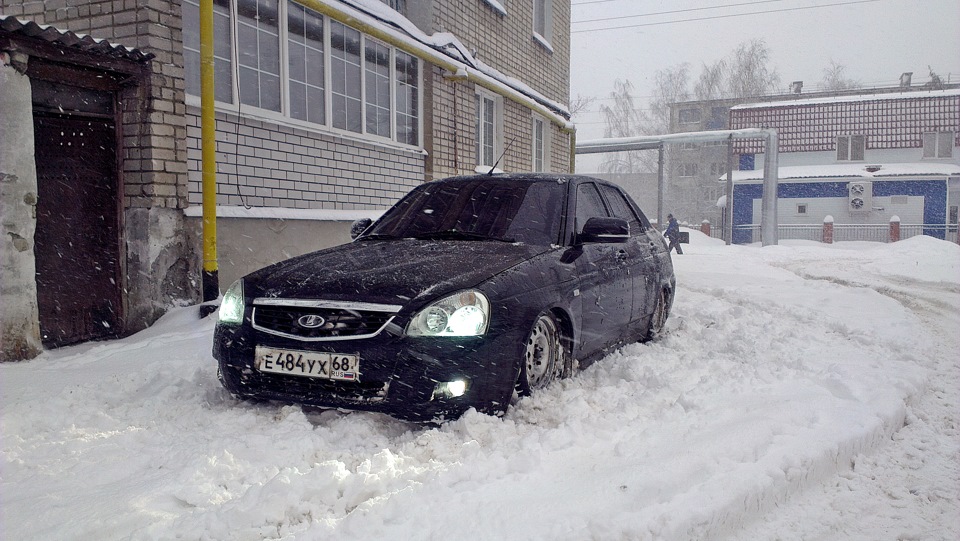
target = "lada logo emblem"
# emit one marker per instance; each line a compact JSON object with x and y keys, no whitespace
{"x":311,"y":321}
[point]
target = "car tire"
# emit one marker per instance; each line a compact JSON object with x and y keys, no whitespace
{"x":659,"y":316}
{"x":545,"y":358}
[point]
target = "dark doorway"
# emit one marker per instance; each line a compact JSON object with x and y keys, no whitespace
{"x":78,"y":226}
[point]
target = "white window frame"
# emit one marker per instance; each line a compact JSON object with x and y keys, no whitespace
{"x":941,"y":143}
{"x":543,"y":14}
{"x":283,"y":116}
{"x":848,"y":147}
{"x":261,"y":67}
{"x":803,"y":209}
{"x":540,"y":160}
{"x":482,"y":98}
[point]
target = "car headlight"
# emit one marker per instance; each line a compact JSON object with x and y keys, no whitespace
{"x":463,"y":314}
{"x":231,"y":307}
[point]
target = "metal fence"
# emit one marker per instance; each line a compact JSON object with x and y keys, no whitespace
{"x":850,"y":232}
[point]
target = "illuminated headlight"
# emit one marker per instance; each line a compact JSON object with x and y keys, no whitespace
{"x":231,"y":307}
{"x":464,"y":314}
{"x":450,"y":389}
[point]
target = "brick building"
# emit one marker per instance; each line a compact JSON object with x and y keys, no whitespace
{"x":692,"y":169}
{"x":858,"y":161}
{"x":327,"y":111}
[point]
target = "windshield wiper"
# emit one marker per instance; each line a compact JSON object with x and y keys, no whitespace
{"x":453,"y":234}
{"x":378,"y":236}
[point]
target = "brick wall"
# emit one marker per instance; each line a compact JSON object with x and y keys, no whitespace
{"x":263,"y":164}
{"x":450,"y":135}
{"x":506,"y":42}
{"x":154,"y":125}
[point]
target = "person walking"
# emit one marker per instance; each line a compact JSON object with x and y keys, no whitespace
{"x":673,"y":234}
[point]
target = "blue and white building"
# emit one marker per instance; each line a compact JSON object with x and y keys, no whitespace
{"x":860,"y":161}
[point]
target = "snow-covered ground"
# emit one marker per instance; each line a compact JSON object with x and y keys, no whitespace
{"x":802,"y":391}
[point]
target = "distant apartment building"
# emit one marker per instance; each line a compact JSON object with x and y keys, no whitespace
{"x":326,"y":111}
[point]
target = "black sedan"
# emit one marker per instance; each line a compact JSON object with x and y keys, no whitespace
{"x":466,"y":291}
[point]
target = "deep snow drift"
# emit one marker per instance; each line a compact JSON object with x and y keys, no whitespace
{"x":801,"y":391}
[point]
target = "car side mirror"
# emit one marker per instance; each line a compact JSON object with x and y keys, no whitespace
{"x":359,"y":226}
{"x":610,"y":230}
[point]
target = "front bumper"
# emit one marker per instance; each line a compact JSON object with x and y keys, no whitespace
{"x":399,"y":375}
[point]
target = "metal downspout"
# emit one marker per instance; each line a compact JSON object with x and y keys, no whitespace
{"x":208,"y":142}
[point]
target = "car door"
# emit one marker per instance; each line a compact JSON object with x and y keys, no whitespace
{"x":605,"y":281}
{"x":640,"y":254}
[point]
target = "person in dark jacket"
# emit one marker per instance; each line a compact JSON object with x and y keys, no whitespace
{"x":673,"y":234}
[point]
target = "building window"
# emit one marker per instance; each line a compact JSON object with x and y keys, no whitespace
{"x":258,"y":43}
{"x":307,"y":98}
{"x":400,"y":6}
{"x":543,"y":20}
{"x":688,"y":169}
{"x":541,"y":146}
{"x":377,"y":96}
{"x":345,"y":77}
{"x":689,"y":116}
{"x":488,"y":128}
{"x":801,"y":209}
{"x":938,"y":144}
{"x":408,"y":98}
{"x":851,"y":147}
{"x":333,"y":76}
{"x":717,"y":169}
{"x":222,"y":66}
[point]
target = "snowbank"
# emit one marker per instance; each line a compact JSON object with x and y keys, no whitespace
{"x":785,"y":371}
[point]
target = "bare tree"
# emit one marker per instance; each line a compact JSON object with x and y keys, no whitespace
{"x":623,"y":119}
{"x":710,"y":84}
{"x":580,"y":104}
{"x":749,"y":71}
{"x":936,"y":82}
{"x":834,"y":78}
{"x":670,"y":86}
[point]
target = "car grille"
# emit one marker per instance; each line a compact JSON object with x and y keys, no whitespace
{"x":314,"y":390}
{"x":329,"y":390}
{"x":334,"y":322}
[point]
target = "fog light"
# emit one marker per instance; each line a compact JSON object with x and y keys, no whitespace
{"x":451,"y":389}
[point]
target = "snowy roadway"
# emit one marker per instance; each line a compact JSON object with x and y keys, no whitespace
{"x":802,"y":391}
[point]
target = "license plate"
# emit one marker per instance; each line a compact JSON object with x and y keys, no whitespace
{"x":311,"y":364}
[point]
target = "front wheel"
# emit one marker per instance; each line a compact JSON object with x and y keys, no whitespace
{"x":659,"y":316}
{"x":544,"y":356}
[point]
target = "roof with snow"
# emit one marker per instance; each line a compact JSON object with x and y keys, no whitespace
{"x":377,"y":13}
{"x":906,"y":94}
{"x":66,"y":38}
{"x":879,"y":171}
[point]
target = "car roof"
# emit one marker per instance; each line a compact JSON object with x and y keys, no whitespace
{"x":529,"y":177}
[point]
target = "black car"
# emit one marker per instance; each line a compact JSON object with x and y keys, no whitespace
{"x":465,"y":291}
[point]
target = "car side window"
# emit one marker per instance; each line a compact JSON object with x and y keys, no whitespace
{"x":589,"y":204}
{"x":620,"y":208}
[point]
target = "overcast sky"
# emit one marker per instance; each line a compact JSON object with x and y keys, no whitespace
{"x":876,"y":40}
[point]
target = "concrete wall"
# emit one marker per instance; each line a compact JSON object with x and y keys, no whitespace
{"x":248,"y":244}
{"x":19,"y":316}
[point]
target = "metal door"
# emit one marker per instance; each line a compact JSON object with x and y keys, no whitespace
{"x":78,"y":234}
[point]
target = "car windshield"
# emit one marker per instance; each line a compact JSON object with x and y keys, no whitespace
{"x":477,"y":209}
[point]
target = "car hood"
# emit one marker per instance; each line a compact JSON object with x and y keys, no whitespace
{"x":389,"y":272}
